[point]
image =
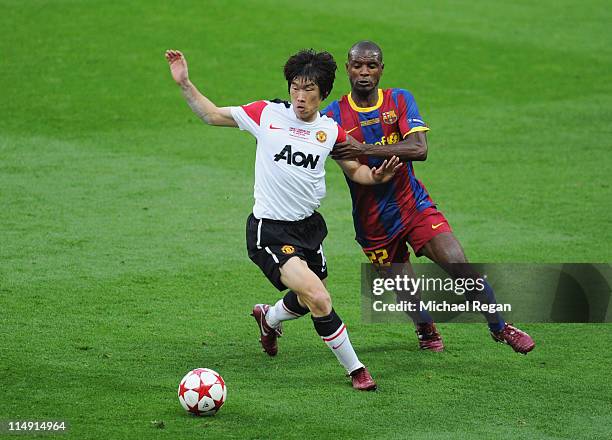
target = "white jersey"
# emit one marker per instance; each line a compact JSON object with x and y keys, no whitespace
{"x":290,"y":158}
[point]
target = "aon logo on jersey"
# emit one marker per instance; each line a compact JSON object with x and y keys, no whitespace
{"x":298,"y":158}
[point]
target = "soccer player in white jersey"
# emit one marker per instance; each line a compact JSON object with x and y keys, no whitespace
{"x":285,"y":233}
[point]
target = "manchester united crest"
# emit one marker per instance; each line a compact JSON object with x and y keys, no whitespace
{"x":288,"y":249}
{"x":389,"y":117}
{"x":321,"y":136}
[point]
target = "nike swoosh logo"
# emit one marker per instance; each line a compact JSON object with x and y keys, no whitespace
{"x":338,"y":346}
{"x":351,"y":130}
{"x":437,"y":226}
{"x":263,"y":332}
{"x":272,"y":127}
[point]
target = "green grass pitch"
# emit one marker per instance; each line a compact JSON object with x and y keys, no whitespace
{"x":122,"y":254}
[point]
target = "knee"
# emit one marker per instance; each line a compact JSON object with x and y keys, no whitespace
{"x":318,"y":299}
{"x":321,"y":300}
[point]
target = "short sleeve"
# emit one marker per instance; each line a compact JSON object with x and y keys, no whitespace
{"x":341,"y":135}
{"x":248,"y":117}
{"x":409,"y":119}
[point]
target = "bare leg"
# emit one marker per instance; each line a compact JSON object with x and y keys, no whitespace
{"x":446,"y":251}
{"x":312,"y":293}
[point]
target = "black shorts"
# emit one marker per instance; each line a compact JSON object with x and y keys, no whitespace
{"x":270,"y":243}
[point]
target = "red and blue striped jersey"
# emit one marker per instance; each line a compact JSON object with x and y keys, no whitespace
{"x":381,"y":212}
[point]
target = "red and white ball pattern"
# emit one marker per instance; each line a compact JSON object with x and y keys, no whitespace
{"x":202,"y":392}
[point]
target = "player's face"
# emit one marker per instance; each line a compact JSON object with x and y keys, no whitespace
{"x":306,"y":99}
{"x":364,"y":70}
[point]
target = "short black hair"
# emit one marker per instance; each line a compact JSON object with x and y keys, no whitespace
{"x":365,"y":46}
{"x":318,"y":67}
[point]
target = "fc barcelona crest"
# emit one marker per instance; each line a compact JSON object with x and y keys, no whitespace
{"x":389,"y":117}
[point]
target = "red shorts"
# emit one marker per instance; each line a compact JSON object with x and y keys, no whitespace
{"x":422,"y":227}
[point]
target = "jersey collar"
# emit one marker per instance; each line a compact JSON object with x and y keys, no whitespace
{"x":365,"y":109}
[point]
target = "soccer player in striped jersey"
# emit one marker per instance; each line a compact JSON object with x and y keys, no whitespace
{"x":285,"y":233}
{"x":386,"y":122}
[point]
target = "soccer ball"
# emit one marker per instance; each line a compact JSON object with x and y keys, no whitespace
{"x":202,"y":392}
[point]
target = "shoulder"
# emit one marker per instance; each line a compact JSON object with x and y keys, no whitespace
{"x":402,"y":98}
{"x":280,"y":103}
{"x":277,"y":108}
{"x":259,"y":106}
{"x":255,"y":109}
{"x":332,"y":110}
{"x":272,"y":107}
{"x":327,"y":121}
{"x":396,"y":91}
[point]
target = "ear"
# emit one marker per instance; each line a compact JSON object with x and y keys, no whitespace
{"x":346,"y":66}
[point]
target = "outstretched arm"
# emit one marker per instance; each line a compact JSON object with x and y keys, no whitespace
{"x":365,"y":175}
{"x":206,"y":110}
{"x":414,"y":147}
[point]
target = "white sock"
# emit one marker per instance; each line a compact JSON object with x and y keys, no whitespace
{"x":341,"y":346}
{"x":279,"y":313}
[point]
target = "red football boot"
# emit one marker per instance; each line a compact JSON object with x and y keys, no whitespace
{"x":362,"y":380}
{"x":429,"y":337}
{"x":520,"y":341}
{"x":268,"y":335}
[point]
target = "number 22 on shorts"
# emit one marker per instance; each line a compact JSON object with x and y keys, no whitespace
{"x":378,"y":256}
